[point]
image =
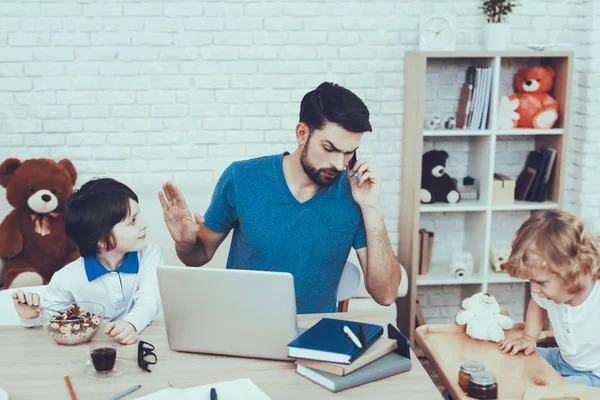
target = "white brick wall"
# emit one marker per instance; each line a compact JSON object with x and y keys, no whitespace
{"x":177,"y":90}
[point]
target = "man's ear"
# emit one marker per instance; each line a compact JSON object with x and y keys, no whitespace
{"x":302,"y":133}
{"x":7,"y":168}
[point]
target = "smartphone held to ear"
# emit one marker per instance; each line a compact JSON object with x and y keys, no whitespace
{"x":352,"y":162}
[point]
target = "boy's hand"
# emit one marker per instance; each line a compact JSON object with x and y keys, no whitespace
{"x":526,"y":344}
{"x":27,"y":304}
{"x":122,"y":331}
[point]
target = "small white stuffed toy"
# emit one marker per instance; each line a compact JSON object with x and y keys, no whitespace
{"x":498,"y":256}
{"x":483,"y":319}
{"x":507,"y":113}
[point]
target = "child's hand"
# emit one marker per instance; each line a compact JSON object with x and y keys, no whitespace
{"x":122,"y":331}
{"x":526,"y":344}
{"x":27,"y":304}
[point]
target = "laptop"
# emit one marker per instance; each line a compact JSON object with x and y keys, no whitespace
{"x":228,"y":311}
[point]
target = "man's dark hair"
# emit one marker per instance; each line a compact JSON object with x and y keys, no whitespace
{"x":94,"y":210}
{"x":330,"y":102}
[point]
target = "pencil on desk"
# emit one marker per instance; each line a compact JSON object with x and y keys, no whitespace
{"x":125,"y":393}
{"x":70,"y":387}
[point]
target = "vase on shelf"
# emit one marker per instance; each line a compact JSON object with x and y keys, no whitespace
{"x":496,"y":35}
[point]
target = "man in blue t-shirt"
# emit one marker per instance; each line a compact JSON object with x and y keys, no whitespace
{"x":299,"y":213}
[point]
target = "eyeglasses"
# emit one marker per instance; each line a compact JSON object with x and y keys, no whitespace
{"x":145,"y":355}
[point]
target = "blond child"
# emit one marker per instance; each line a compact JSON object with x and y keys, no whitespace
{"x":117,"y":267}
{"x":560,"y":259}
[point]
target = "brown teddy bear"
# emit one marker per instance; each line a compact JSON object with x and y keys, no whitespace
{"x":32,"y":236}
{"x":536,"y":108}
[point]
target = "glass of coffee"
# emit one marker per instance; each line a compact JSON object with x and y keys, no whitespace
{"x":103,"y":357}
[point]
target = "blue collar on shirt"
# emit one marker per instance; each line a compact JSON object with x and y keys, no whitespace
{"x":93,"y":269}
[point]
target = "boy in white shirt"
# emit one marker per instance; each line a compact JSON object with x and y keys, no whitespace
{"x":116,"y":269}
{"x":561,"y":261}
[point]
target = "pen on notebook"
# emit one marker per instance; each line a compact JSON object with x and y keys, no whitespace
{"x":125,"y":393}
{"x":352,"y":337}
{"x":361,"y":332}
{"x":70,"y":388}
{"x":213,"y":394}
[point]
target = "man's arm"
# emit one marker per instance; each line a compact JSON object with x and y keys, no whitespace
{"x":195,"y":243}
{"x":380,"y":267}
{"x":203,"y":249}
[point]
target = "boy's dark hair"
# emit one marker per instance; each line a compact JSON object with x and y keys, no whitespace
{"x":94,"y":210}
{"x":334,"y":103}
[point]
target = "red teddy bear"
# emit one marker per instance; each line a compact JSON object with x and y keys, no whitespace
{"x":33,"y":241}
{"x":537,"y":109}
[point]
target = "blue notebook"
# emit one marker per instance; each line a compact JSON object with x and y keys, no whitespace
{"x":326,"y":341}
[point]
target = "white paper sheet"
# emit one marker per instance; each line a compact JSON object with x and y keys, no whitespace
{"x":228,"y":390}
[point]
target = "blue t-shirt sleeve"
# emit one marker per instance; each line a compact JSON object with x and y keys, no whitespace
{"x":360,"y":237}
{"x":221,"y":215}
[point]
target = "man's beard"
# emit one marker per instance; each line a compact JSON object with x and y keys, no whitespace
{"x":316,"y":175}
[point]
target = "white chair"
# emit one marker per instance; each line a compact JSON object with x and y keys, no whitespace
{"x":9,"y":316}
{"x":361,"y":300}
{"x":348,"y":286}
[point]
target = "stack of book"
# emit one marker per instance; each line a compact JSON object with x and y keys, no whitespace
{"x":533,"y":182}
{"x":426,"y":246}
{"x":329,"y":356}
{"x":474,"y":103}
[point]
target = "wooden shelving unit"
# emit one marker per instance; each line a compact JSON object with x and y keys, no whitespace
{"x":478,"y":214}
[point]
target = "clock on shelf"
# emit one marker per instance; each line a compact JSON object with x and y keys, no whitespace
{"x":437,"y":33}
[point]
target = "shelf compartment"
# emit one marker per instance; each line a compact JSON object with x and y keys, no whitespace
{"x":467,"y":156}
{"x":444,"y":80}
{"x":454,"y":233}
{"x":560,"y":64}
{"x":510,"y":157}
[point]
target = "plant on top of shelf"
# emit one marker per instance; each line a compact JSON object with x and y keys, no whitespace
{"x":496,"y":11}
{"x":497,"y":30}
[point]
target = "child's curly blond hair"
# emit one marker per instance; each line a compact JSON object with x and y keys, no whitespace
{"x":555,"y":240}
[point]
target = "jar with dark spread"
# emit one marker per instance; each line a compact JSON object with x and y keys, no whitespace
{"x":466,"y":369}
{"x":483,"y":385}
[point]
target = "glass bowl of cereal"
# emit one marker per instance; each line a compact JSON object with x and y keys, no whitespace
{"x":72,"y":323}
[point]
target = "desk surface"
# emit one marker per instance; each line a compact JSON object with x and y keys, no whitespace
{"x":447,"y":346}
{"x":32,"y":366}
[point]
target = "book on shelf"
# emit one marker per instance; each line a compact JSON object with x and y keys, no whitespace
{"x":426,"y":247}
{"x":391,"y":363}
{"x":523,"y":183}
{"x":534,"y":180}
{"x":474,"y":100}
